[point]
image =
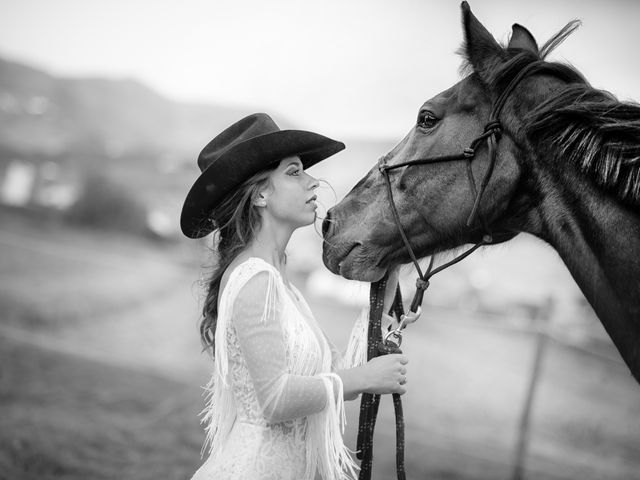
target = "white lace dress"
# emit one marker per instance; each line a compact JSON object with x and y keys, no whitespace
{"x":275,"y":409}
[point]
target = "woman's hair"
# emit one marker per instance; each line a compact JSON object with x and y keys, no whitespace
{"x":237,"y":221}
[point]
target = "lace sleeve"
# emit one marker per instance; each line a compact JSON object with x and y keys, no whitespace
{"x":257,"y":321}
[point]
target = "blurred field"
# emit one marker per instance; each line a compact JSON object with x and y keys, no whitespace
{"x":65,"y":417}
{"x":100,"y":374}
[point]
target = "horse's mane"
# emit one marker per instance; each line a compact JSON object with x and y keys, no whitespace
{"x":595,"y":131}
{"x":580,"y":124}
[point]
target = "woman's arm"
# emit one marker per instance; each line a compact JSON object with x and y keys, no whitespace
{"x":258,"y":324}
{"x":352,"y":384}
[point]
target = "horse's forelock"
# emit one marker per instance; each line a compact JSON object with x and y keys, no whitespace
{"x":551,"y":44}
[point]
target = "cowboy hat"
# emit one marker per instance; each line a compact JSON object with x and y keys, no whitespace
{"x":240,"y":151}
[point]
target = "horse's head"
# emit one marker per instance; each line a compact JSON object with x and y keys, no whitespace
{"x":434,"y":200}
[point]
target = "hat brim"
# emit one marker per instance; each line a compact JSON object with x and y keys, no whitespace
{"x":241,"y":162}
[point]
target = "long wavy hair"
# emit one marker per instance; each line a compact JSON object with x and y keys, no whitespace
{"x":237,"y":220}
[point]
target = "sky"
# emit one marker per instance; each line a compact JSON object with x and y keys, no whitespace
{"x":345,"y":68}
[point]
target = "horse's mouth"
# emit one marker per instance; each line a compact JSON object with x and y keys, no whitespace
{"x":355,"y":263}
{"x":368,"y":262}
{"x":353,"y":270}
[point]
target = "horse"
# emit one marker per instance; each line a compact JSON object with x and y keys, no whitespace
{"x":566,"y":169}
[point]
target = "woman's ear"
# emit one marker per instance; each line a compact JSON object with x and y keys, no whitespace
{"x":261,"y":201}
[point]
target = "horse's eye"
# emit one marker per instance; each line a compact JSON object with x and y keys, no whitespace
{"x":427,"y":120}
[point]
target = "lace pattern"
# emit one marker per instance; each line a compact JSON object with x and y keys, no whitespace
{"x":274,"y":409}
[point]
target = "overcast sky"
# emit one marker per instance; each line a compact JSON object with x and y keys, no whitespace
{"x":341,"y":67}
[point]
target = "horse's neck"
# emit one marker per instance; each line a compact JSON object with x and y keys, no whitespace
{"x":599,"y":241}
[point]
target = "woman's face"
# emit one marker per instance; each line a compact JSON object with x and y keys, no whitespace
{"x":291,"y":197}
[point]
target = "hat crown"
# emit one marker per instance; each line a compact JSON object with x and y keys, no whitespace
{"x":249,"y":127}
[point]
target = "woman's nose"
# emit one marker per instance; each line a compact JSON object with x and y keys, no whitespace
{"x":313,"y":182}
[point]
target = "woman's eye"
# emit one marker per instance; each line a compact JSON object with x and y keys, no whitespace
{"x":294,"y":172}
{"x":427,"y":120}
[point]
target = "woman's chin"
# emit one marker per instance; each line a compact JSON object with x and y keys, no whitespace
{"x":305,"y":221}
{"x":313,"y":215}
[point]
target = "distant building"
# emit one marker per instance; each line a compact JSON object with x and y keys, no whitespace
{"x":25,"y":183}
{"x":17,"y":183}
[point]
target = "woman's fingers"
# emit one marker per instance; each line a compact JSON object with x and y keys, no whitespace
{"x":398,"y":357}
{"x":390,"y":374}
{"x":402,"y":372}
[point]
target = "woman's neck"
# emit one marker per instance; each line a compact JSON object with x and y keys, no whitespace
{"x":270,"y":245}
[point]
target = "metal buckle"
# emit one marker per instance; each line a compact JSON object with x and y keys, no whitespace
{"x":395,"y":333}
{"x":409,"y":317}
{"x":406,"y":319}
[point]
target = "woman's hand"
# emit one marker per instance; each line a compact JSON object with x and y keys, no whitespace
{"x":386,"y":374}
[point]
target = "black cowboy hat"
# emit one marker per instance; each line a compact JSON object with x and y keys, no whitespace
{"x":243,"y":149}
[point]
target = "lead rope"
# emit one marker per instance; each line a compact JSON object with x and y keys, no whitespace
{"x":378,"y":345}
{"x":369,"y":403}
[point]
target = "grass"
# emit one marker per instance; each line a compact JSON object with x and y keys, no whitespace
{"x":80,"y":415}
{"x":69,"y":419}
{"x":53,"y":276}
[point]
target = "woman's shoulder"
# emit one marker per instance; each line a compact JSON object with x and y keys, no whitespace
{"x":242,"y":269}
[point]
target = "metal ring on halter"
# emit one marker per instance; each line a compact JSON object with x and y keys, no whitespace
{"x":408,"y":318}
{"x":405,"y":320}
{"x":382,"y":164}
{"x":393,"y":333}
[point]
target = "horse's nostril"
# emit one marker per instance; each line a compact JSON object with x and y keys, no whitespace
{"x":326,"y":224}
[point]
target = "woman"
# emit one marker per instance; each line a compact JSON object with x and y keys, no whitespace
{"x":276,"y":406}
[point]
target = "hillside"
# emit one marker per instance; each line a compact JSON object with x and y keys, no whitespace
{"x":40,"y":112}
{"x":129,"y":132}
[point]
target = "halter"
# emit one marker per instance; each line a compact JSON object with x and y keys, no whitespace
{"x":491,"y":135}
{"x":378,"y":345}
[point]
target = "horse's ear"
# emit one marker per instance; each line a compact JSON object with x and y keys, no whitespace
{"x":481,"y":49}
{"x":522,"y":38}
